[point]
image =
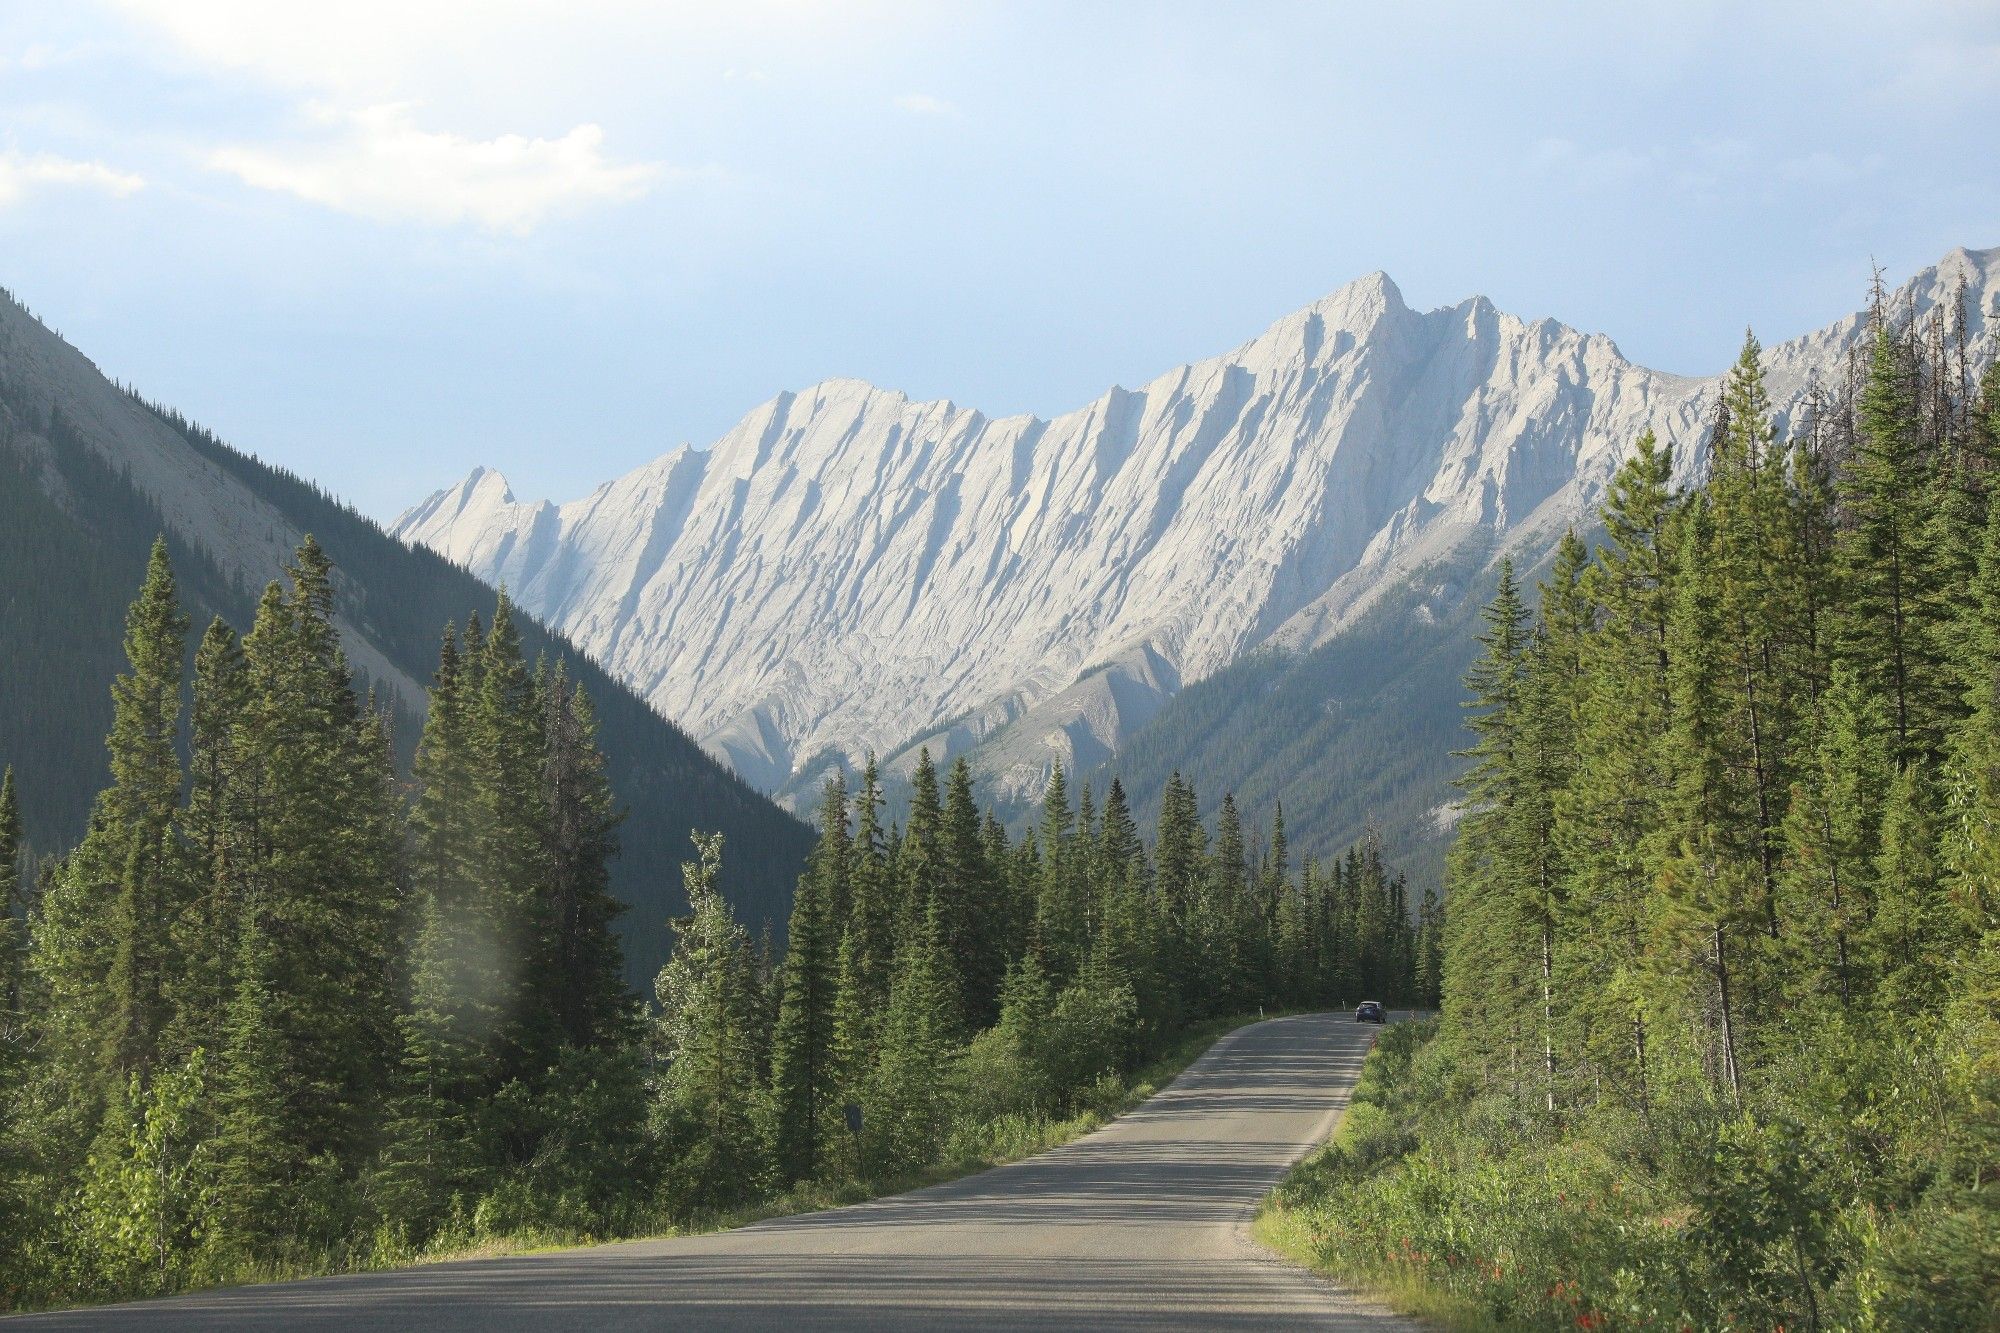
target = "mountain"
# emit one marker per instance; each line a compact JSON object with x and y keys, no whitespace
{"x":1271,"y":556}
{"x":89,"y":474}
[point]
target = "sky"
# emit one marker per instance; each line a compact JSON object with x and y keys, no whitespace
{"x":381,"y":242}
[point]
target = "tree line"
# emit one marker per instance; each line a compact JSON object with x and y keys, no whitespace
{"x":287,"y":1009}
{"x":1724,"y":904}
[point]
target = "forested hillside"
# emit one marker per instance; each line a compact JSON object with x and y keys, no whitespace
{"x":1721,"y":1032}
{"x":1355,"y":737}
{"x":275,"y":1012}
{"x":89,"y":474}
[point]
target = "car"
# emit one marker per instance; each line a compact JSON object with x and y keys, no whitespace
{"x":1371,"y":1011}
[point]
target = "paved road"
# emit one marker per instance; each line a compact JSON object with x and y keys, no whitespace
{"x":1139,"y":1225}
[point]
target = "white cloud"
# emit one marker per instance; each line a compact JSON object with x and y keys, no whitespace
{"x":923,"y":104}
{"x":21,"y":173}
{"x":378,"y":163}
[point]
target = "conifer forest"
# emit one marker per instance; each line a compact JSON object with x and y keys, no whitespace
{"x":287,"y":1009}
{"x":1720,"y":1040}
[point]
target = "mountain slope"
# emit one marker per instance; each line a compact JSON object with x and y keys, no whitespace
{"x":88,"y":475}
{"x":848,"y":570}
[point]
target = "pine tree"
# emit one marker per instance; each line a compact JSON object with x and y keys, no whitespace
{"x":1487,"y":960}
{"x":1061,"y":928}
{"x":1892,"y":595}
{"x":920,"y":860}
{"x":1180,"y":853}
{"x":1832,"y":833}
{"x":871,"y":912}
{"x":13,"y":909}
{"x":1230,"y":925}
{"x":319,"y":854}
{"x":442,"y":818}
{"x":803,"y":1064}
{"x":261,"y":1162}
{"x":585,"y":964}
{"x":100,"y":949}
{"x":205,"y":933}
{"x":1709,"y":878}
{"x":435,"y":1157}
{"x":1612,"y":806}
{"x":1762,"y":610}
{"x":510,"y":845}
{"x":707,"y":1109}
{"x":904,"y":1113}
{"x":1972,"y":780}
{"x":140,"y":806}
{"x":1913,"y":934}
{"x":972,"y":919}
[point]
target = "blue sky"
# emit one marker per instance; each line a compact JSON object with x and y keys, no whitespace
{"x":382,"y":241}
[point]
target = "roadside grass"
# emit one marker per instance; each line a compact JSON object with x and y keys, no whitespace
{"x":1291,"y":1223}
{"x":1294,"y":1234}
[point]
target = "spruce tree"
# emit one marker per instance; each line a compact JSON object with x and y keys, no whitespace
{"x":1061,"y":925}
{"x":1613,"y":803}
{"x":972,"y":917}
{"x":584,"y":963}
{"x":141,"y":805}
{"x":205,"y":932}
{"x":261,"y":1161}
{"x":1892,"y":593}
{"x":1488,"y":958}
{"x":510,"y":846}
{"x":708,"y":1100}
{"x":1709,"y":879}
{"x":871,"y":906}
{"x":319,"y":856}
{"x":13,"y":904}
{"x":803,"y":1064}
{"x":921,"y":864}
{"x":904,"y":1113}
{"x":436,"y":1156}
{"x":1832,"y":834}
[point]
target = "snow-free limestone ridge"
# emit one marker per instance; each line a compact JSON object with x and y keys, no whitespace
{"x":848,"y":570}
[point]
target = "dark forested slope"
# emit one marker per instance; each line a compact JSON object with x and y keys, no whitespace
{"x":89,"y":474}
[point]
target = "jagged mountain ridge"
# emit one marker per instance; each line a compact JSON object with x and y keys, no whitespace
{"x":89,"y":473}
{"x":849,"y":570}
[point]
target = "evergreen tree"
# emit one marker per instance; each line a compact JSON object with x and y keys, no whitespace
{"x":803,"y":1063}
{"x":436,"y":1158}
{"x":319,"y":856}
{"x":1891,"y":629}
{"x":205,"y":933}
{"x":920,"y":858}
{"x":905,"y":1109}
{"x":1709,"y":882}
{"x":261,"y":1163}
{"x":510,"y":843}
{"x":1612,"y":806}
{"x":585,"y":965}
{"x":706,"y":1107}
{"x":13,"y":907}
{"x":1488,"y":957}
{"x":972,"y":920}
{"x":141,"y":851}
{"x":871,"y":911}
{"x":1832,"y":830}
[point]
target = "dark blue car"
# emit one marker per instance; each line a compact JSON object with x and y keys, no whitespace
{"x":1370,"y":1012}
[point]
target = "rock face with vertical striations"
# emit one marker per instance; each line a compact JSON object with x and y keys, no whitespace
{"x":847,"y":570}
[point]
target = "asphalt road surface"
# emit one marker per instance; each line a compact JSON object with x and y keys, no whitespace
{"x":1142,"y":1224}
